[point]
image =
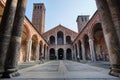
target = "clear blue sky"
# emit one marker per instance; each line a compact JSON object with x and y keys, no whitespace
{"x":63,"y":12}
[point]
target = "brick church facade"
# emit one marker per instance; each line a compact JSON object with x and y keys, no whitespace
{"x":61,"y":43}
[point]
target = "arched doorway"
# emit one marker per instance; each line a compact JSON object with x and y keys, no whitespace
{"x":100,"y":45}
{"x":87,"y":48}
{"x":60,"y":38}
{"x":69,"y":54}
{"x":80,"y":50}
{"x":34,"y":48}
{"x":52,"y":54}
{"x":23,"y":49}
{"x":41,"y":49}
{"x":60,"y":54}
{"x":77,"y":55}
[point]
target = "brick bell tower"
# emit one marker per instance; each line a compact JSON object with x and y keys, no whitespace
{"x":38,"y":17}
{"x":81,"y":21}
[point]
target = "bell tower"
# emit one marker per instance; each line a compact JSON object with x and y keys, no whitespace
{"x":38,"y":17}
{"x":81,"y":21}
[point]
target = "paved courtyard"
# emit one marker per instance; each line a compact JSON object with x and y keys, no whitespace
{"x":64,"y":70}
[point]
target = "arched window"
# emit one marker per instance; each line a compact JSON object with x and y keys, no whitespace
{"x":52,"y":40}
{"x":60,"y":39}
{"x":68,"y":40}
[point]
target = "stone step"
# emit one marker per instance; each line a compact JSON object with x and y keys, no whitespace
{"x":63,"y":79}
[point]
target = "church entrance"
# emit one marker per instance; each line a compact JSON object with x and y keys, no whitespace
{"x":52,"y":54}
{"x":60,"y":54}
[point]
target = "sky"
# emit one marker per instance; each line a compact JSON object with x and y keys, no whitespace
{"x":64,"y":12}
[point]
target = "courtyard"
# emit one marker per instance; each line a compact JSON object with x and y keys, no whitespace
{"x":66,"y":70}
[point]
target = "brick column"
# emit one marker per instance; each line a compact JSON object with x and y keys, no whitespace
{"x":6,"y":28}
{"x":110,"y":35}
{"x":11,"y":62}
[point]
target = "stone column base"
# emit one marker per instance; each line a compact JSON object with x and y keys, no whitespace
{"x":115,"y":70}
{"x":10,"y":74}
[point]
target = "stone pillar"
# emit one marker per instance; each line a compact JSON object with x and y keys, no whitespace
{"x":37,"y":51}
{"x":46,"y":53}
{"x":64,"y":54}
{"x":29,"y":45}
{"x":56,"y":54}
{"x":74,"y":54}
{"x":92,"y":50}
{"x":114,"y":7}
{"x":111,"y":37}
{"x":83,"y":50}
{"x":78,"y":54}
{"x":6,"y":28}
{"x":11,"y":62}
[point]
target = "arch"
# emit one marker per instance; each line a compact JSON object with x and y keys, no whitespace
{"x":100,"y":45}
{"x":69,"y":54}
{"x":60,"y":54}
{"x":68,"y":40}
{"x":60,"y":38}
{"x":52,"y":54}
{"x":34,"y":47}
{"x":80,"y":50}
{"x":87,"y":47}
{"x":40,"y":49}
{"x":52,"y":40}
{"x":23,"y":48}
{"x":76,"y":52}
{"x":44,"y":51}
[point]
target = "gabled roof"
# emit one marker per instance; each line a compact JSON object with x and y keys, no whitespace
{"x":62,"y":27}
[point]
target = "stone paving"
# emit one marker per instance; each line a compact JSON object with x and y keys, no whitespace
{"x":64,"y":70}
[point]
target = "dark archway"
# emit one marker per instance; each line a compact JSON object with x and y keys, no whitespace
{"x":44,"y":51}
{"x":80,"y":50}
{"x":60,"y":54}
{"x":52,"y":54}
{"x":100,"y":45}
{"x":40,"y":49}
{"x":87,"y":48}
{"x":23,"y":48}
{"x":76,"y":52}
{"x":34,"y":48}
{"x":69,"y":54}
{"x":60,"y":38}
{"x":52,"y":40}
{"x":68,"y":40}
